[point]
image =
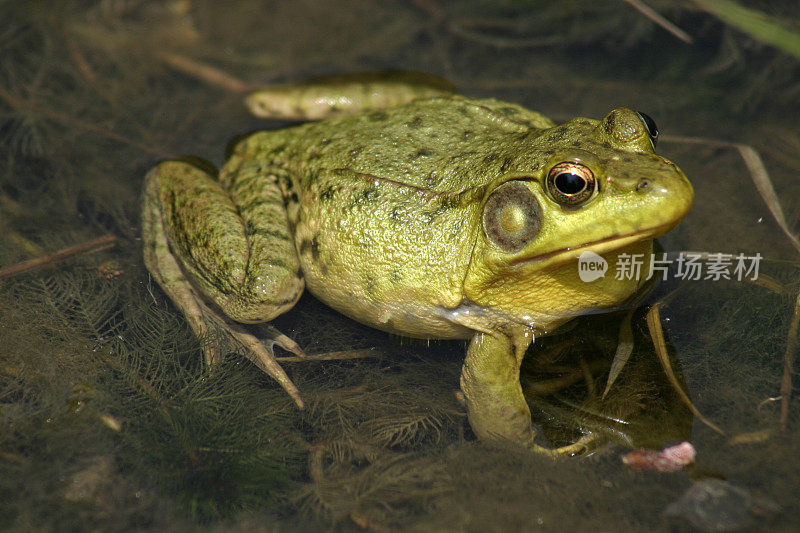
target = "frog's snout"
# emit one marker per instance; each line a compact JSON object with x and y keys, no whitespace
{"x":671,"y":193}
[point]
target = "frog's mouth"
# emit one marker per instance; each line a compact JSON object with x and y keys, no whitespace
{"x":600,"y":246}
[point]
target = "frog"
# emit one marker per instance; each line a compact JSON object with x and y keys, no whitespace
{"x":418,"y":211}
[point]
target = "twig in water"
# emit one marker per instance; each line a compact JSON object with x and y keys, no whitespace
{"x":331,"y":356}
{"x":88,"y":247}
{"x":788,"y":357}
{"x":204,"y":72}
{"x":656,"y":17}
{"x":657,"y":334}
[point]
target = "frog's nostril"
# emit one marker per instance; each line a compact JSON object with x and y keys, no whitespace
{"x":643,"y":184}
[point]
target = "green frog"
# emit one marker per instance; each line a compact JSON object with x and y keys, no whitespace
{"x":417,"y":211}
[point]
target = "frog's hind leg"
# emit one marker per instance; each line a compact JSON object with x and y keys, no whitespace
{"x":344,"y":94}
{"x":199,"y":248}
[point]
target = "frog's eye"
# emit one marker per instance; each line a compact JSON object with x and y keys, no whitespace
{"x":571,"y":183}
{"x":512,"y":217}
{"x":652,"y":128}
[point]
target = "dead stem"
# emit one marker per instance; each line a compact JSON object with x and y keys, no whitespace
{"x":10,"y":209}
{"x":80,"y":61}
{"x":571,"y":376}
{"x":657,"y":335}
{"x":591,"y":390}
{"x":656,"y":17}
{"x":751,"y":437}
{"x":88,"y":247}
{"x":624,"y":351}
{"x":771,"y":284}
{"x":759,"y":25}
{"x":204,"y":72}
{"x":18,"y":240}
{"x":788,"y":357}
{"x":763,"y":183}
{"x":332,"y":356}
{"x":316,"y":470}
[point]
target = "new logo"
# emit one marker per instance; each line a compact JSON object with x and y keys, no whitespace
{"x":591,"y":266}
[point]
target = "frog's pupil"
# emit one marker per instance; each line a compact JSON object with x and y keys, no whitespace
{"x":570,"y":183}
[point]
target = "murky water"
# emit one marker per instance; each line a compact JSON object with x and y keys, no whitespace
{"x":108,"y":419}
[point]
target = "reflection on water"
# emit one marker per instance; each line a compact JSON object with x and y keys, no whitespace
{"x":107,"y":418}
{"x":566,"y":382}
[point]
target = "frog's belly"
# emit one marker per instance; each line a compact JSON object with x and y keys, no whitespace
{"x":420,"y":320}
{"x":389,"y":256}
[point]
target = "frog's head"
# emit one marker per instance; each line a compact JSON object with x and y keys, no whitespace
{"x":581,"y":186}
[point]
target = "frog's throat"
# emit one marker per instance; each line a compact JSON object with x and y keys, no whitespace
{"x":600,"y":246}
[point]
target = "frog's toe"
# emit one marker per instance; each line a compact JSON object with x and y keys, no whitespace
{"x":545,"y":451}
{"x":284,"y":342}
{"x":209,"y":323}
{"x":582,"y":446}
{"x":570,"y":450}
{"x":263,"y":356}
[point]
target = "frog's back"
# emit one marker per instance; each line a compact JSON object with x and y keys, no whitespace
{"x":383,"y":204}
{"x":447,"y":144}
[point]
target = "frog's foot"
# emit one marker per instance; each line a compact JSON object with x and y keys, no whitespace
{"x":581,"y":446}
{"x":206,"y":323}
{"x":263,"y":355}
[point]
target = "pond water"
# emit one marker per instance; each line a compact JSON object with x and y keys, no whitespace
{"x":109,"y":420}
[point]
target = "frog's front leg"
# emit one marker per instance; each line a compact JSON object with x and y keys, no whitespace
{"x":202,"y":247}
{"x":496,"y":407}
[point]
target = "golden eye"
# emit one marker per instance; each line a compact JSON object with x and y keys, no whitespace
{"x":512,"y":217}
{"x":571,"y":183}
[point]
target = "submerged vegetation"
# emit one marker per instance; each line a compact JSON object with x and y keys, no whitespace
{"x":108,"y":419}
{"x":126,"y":391}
